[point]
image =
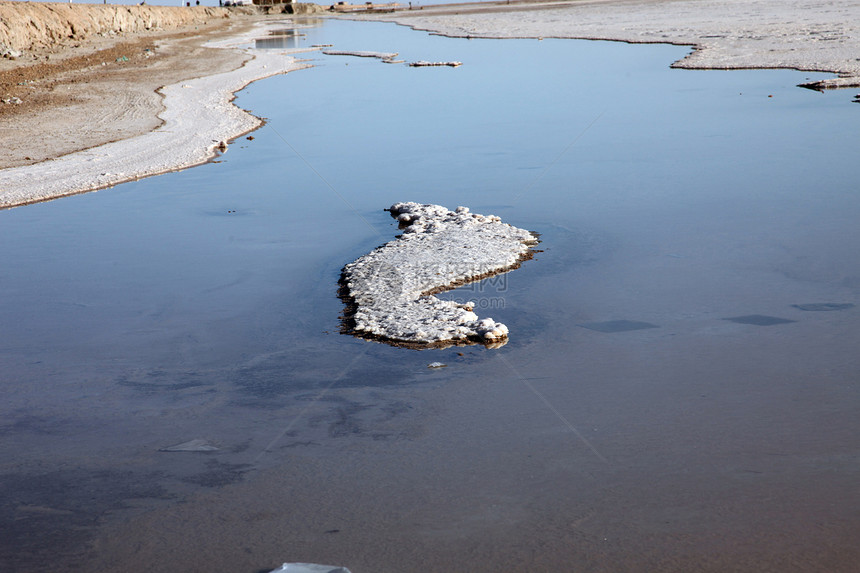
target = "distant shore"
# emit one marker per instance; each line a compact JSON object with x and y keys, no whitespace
{"x":725,"y":34}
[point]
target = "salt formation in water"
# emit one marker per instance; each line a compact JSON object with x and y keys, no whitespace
{"x":387,"y":57}
{"x":389,"y":291}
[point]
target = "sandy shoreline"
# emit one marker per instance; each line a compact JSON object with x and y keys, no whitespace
{"x":93,"y":146}
{"x":198,"y":115}
{"x":164,"y":104}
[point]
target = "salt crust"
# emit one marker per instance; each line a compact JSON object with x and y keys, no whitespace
{"x":390,"y":290}
{"x":806,"y":35}
{"x":361,"y":54}
{"x":198,"y":115}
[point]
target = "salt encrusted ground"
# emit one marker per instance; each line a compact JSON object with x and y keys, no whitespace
{"x":198,"y":116}
{"x":728,"y":34}
{"x":389,"y":291}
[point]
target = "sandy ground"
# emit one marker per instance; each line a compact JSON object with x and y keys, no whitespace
{"x":96,"y":82}
{"x":74,"y":101}
{"x":114,"y":109}
{"x":727,"y":34}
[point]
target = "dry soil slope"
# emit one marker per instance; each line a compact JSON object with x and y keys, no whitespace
{"x":31,"y":25}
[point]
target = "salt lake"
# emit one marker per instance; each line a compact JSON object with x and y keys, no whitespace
{"x":717,"y":208}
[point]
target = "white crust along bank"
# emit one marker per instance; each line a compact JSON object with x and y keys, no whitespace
{"x":389,"y":291}
{"x":199,"y":119}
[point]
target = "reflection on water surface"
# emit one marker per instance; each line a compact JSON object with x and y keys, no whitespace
{"x":202,"y":305}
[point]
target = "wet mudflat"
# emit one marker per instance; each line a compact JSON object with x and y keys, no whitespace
{"x":679,"y":391}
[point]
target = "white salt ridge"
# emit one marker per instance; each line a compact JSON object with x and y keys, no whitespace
{"x":386,"y":57}
{"x":361,"y":54}
{"x":425,"y":64}
{"x":392,"y":287}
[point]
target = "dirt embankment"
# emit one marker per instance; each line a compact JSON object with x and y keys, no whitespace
{"x":81,"y":75}
{"x":26,"y":26}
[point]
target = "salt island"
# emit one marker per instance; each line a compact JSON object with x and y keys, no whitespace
{"x":389,"y":291}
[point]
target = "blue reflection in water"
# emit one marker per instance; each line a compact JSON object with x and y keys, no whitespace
{"x":545,"y":133}
{"x":212,"y":292}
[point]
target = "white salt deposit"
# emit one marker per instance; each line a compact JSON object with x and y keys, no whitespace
{"x":386,"y":57}
{"x":361,"y":54}
{"x":198,"y":116}
{"x":390,"y":290}
{"x":728,"y":34}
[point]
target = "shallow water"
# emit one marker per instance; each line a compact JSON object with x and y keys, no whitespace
{"x":202,"y":305}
